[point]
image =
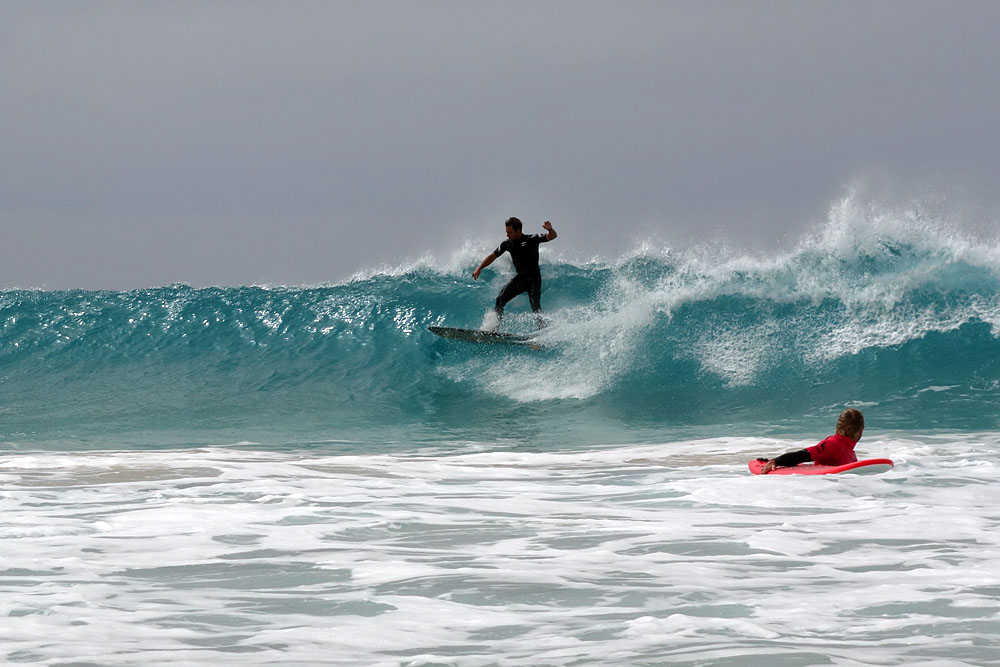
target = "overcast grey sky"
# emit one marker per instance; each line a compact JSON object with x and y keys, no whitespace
{"x":235,"y":142}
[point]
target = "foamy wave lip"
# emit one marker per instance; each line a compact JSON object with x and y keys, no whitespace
{"x":870,"y":258}
{"x":458,"y":262}
{"x":865,"y":253}
{"x":909,"y":244}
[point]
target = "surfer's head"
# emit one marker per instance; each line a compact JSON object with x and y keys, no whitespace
{"x":513,"y":226}
{"x":851,"y":423}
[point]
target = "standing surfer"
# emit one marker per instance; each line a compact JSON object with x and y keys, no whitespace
{"x":523,"y":249}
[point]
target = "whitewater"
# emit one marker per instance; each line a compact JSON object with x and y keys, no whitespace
{"x":306,"y":475}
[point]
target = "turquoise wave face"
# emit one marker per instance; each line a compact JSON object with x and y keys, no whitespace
{"x":904,"y":325}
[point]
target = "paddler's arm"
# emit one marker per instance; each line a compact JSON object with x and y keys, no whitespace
{"x":547,"y":226}
{"x":482,"y":265}
{"x":787,"y":461}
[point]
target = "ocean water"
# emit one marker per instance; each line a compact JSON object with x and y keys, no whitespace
{"x":306,"y":475}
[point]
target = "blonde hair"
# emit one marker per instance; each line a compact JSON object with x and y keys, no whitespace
{"x":850,"y":423}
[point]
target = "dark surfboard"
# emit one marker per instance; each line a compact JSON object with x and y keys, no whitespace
{"x":478,"y":336}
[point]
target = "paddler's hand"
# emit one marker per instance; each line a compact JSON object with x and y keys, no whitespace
{"x":547,"y":226}
{"x":768,"y":467}
{"x":475,"y":274}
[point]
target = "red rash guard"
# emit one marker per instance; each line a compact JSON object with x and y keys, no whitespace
{"x":834,"y":451}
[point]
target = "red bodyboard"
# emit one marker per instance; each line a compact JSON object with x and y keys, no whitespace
{"x":868,"y":466}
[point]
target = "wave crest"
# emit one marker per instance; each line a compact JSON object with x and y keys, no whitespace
{"x":873,"y":308}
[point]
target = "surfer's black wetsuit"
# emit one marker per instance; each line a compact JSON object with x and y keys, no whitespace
{"x":524,"y":253}
{"x":792,"y":459}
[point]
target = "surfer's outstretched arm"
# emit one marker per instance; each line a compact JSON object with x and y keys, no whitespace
{"x":482,"y":265}
{"x":787,"y":460}
{"x":547,"y":226}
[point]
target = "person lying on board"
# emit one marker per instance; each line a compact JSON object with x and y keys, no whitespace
{"x":834,"y":451}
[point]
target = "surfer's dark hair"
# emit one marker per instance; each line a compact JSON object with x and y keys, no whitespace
{"x":514,"y":224}
{"x":850,"y":423}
